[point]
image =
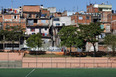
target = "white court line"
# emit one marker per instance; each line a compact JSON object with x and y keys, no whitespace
{"x":30,"y":73}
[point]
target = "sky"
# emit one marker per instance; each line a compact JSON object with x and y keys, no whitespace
{"x":69,"y":5}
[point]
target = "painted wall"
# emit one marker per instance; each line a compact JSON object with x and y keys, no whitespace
{"x":62,"y":20}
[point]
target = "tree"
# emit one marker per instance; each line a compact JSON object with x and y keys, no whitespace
{"x":89,"y":33}
{"x":110,"y":40}
{"x":69,"y":38}
{"x":14,"y":34}
{"x":34,"y":41}
{"x":3,"y":34}
{"x":19,"y":32}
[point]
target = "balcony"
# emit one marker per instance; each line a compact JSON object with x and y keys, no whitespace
{"x":43,"y":24}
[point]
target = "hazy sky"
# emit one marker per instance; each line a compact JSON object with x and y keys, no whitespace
{"x":69,"y":5}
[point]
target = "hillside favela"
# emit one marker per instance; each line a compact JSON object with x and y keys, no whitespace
{"x":43,"y":41}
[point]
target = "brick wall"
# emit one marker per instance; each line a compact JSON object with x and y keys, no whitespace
{"x":113,"y":22}
{"x":91,"y":9}
{"x":105,"y":16}
{"x":31,"y":8}
{"x":74,"y":18}
{"x":10,"y":20}
{"x":84,"y":19}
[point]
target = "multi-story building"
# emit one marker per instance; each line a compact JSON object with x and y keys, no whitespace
{"x":112,"y":19}
{"x":48,"y":22}
{"x":0,"y":21}
{"x":37,"y":21}
{"x":9,"y":18}
{"x":57,"y":23}
{"x":96,"y":13}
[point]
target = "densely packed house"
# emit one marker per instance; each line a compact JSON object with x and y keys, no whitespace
{"x":48,"y":22}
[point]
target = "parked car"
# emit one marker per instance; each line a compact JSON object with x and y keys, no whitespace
{"x":24,"y":49}
{"x":54,"y":49}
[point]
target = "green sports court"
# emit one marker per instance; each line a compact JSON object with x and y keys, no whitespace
{"x":53,"y":72}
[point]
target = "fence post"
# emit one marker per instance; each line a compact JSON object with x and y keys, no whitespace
{"x":56,"y":65}
{"x":70,"y":65}
{"x":84,"y":65}
{"x":28,"y":64}
{"x":107,"y":62}
{"x":111,"y":65}
{"x":42,"y":64}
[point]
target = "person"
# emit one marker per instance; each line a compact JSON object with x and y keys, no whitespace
{"x":62,"y":50}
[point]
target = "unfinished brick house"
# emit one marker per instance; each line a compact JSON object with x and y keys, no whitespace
{"x":96,"y":13}
{"x":12,"y":20}
{"x":37,"y":21}
{"x":112,"y":19}
{"x":9,"y":18}
{"x":0,"y":21}
{"x":12,"y":17}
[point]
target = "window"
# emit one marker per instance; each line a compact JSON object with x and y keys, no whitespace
{"x":28,"y":15}
{"x":87,"y":17}
{"x":107,"y":28}
{"x":57,"y":24}
{"x":35,"y":20}
{"x":80,"y":17}
{"x":14,"y":17}
{"x":32,"y":29}
{"x":43,"y":21}
{"x":100,"y":9}
{"x":45,"y":34}
{"x":36,"y":15}
{"x":102,"y":26}
{"x":56,"y":19}
{"x":30,"y":22}
{"x":45,"y":28}
{"x":43,"y":15}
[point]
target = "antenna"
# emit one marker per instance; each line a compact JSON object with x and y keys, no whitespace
{"x":89,"y":1}
{"x":12,"y":4}
{"x":77,"y":8}
{"x":61,"y":10}
{"x":64,"y":8}
{"x":73,"y":9}
{"x":107,"y":2}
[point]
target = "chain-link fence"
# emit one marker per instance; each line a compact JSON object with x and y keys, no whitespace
{"x":11,"y":60}
{"x":10,"y":64}
{"x":16,"y":60}
{"x":69,"y":63}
